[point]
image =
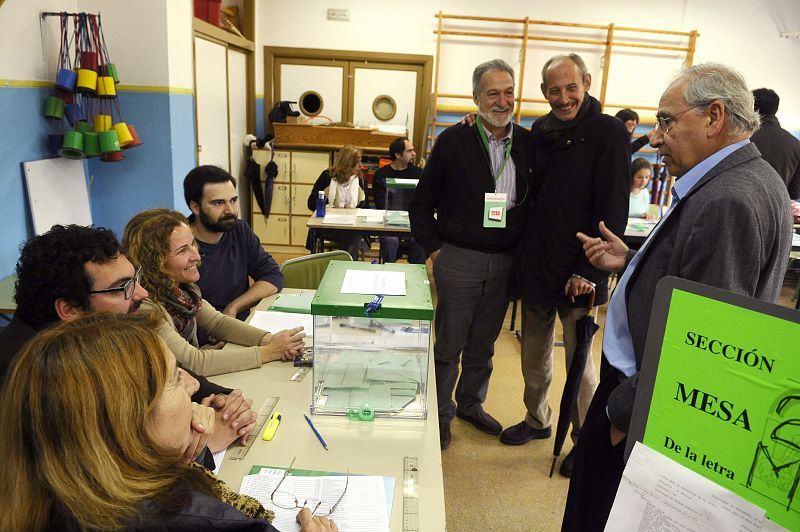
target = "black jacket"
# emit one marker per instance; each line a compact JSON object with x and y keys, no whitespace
{"x":582,"y":177}
{"x":780,"y":149}
{"x":453,"y":184}
{"x":14,"y":337}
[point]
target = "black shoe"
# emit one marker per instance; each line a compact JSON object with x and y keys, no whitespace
{"x":481,"y":420}
{"x":523,"y":433}
{"x":566,"y":465}
{"x":444,"y":435}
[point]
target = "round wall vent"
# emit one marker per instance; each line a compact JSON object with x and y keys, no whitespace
{"x":384,"y":107}
{"x":311,"y":103}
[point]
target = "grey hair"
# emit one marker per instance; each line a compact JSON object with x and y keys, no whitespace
{"x":707,"y":82}
{"x":575,"y":59}
{"x":483,"y":68}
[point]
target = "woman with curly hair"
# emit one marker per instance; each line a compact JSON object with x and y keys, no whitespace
{"x":79,"y":455}
{"x":160,"y":242}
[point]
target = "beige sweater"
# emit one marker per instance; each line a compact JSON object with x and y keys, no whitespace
{"x":217,"y":325}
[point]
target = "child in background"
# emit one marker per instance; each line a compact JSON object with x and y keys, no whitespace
{"x":641,"y":171}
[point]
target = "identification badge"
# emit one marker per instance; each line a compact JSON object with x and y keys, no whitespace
{"x":494,"y":209}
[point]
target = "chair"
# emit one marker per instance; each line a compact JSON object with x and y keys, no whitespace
{"x":307,"y":271}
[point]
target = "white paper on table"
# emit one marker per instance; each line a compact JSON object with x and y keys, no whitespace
{"x":274,"y":321}
{"x":371,"y":215}
{"x":363,"y":507}
{"x":657,"y":493}
{"x":339,"y":219}
{"x":374,"y":282}
{"x":219,"y":456}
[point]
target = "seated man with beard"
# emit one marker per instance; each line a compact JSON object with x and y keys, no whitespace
{"x":230,"y":252}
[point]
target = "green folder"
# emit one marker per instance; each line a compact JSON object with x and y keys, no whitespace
{"x":297,"y":303}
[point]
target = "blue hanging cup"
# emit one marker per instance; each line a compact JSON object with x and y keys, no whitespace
{"x":66,"y":79}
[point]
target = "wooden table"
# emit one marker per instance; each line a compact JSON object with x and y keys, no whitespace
{"x":364,"y":447}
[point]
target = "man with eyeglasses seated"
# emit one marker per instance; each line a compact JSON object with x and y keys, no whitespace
{"x":71,"y":270}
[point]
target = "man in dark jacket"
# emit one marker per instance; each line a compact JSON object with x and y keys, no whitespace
{"x":777,"y":146}
{"x":71,"y":270}
{"x":476,"y":182}
{"x":582,"y":177}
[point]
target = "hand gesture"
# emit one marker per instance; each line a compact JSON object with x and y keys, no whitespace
{"x":608,"y":254}
{"x":577,"y":287}
{"x":234,"y":418}
{"x":283,"y":345}
{"x":202,"y":430}
{"x":312,"y":523}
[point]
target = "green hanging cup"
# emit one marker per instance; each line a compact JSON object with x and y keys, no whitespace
{"x":83,"y":126}
{"x":91,"y":144}
{"x":73,"y":145}
{"x":109,"y":141}
{"x":54,"y":107}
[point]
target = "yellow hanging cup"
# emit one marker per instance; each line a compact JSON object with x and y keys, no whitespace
{"x":106,"y":87}
{"x":87,"y":80}
{"x":102,"y":123}
{"x":123,"y":133}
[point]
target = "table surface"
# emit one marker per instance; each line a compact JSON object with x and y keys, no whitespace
{"x":364,"y":447}
{"x":361,"y":226}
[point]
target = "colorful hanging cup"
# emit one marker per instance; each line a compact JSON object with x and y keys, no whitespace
{"x":91,"y":144}
{"x":110,"y":69}
{"x":106,"y":87}
{"x":89,"y":60}
{"x":136,"y":140}
{"x":74,"y":113}
{"x":109,"y":141}
{"x":102,"y":123}
{"x":68,"y":97}
{"x":54,"y":107}
{"x":112,"y":157}
{"x":66,"y":79}
{"x":124,"y":134}
{"x":87,"y":80}
{"x":83,"y":126}
{"x":73,"y":145}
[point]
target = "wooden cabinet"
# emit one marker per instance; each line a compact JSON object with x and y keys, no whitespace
{"x":297,"y":173}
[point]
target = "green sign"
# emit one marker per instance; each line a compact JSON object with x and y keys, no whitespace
{"x":719,"y":392}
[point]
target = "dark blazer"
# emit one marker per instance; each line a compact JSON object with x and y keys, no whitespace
{"x":780,"y":149}
{"x":733,"y":230}
{"x":453,"y":184}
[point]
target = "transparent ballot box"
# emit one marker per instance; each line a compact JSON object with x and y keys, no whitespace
{"x":398,"y":195}
{"x":372,"y":361}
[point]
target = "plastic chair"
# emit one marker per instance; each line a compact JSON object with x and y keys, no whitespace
{"x":307,"y":271}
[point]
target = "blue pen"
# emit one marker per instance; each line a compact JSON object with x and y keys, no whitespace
{"x":316,"y":432}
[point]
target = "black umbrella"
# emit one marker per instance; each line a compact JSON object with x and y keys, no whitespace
{"x":584,"y":330}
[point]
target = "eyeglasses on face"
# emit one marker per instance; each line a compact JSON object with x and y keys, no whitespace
{"x":127,"y":289}
{"x":318,"y":507}
{"x":665,"y":121}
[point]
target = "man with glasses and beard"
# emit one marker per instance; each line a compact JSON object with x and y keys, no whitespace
{"x":476,"y":182}
{"x":230,"y":252}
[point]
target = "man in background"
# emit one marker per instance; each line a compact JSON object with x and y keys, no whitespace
{"x":777,"y":146}
{"x":705,"y":120}
{"x":402,"y":166}
{"x":582,"y":168}
{"x":71,"y":270}
{"x":476,"y":183}
{"x":231,"y":253}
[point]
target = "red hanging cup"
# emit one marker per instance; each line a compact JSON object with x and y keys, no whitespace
{"x":136,"y":140}
{"x":112,"y":157}
{"x":89,"y":60}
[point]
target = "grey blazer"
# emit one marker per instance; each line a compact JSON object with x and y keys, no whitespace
{"x":733,"y":230}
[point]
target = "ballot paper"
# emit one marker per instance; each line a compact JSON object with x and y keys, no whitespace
{"x":274,"y":321}
{"x":374,"y":282}
{"x":339,"y":219}
{"x":657,"y":494}
{"x":371,"y":215}
{"x":362,"y":509}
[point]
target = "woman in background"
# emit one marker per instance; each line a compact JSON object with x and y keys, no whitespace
{"x":162,"y":244}
{"x":343,"y":189}
{"x":79,"y":454}
{"x":641,"y":172}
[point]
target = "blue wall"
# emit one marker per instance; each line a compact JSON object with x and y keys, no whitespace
{"x":150,"y":176}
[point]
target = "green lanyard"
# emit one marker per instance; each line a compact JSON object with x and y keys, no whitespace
{"x":485,"y":142}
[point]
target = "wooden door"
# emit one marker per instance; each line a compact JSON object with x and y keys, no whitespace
{"x":211,"y":103}
{"x":376,"y":87}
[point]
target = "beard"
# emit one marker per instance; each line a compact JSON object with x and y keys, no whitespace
{"x":224,"y":224}
{"x":490,"y":118}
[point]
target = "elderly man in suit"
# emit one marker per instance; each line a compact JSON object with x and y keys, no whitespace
{"x":730,"y":226}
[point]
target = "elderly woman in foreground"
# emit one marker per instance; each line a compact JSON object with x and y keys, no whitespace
{"x":80,"y":455}
{"x":160,"y":242}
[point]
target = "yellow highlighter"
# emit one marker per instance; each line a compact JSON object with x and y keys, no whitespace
{"x":271,"y":427}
